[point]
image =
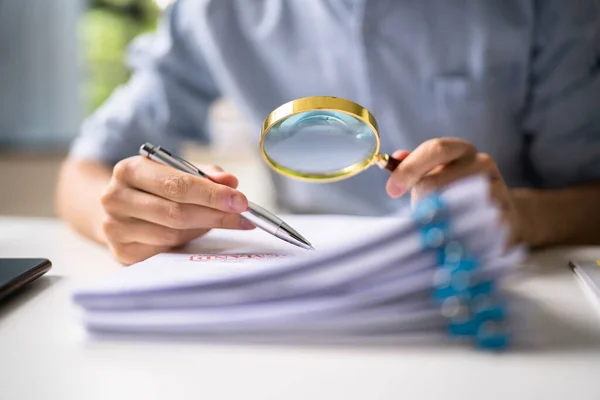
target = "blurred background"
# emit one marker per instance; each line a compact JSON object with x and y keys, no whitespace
{"x":59,"y":61}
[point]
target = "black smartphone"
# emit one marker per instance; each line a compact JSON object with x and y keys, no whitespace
{"x":15,"y":273}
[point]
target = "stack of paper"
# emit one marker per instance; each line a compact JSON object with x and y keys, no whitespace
{"x":437,"y":274}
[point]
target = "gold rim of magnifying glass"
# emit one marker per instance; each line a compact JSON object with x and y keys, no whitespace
{"x":327,"y":103}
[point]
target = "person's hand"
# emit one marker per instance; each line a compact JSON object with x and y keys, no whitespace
{"x":151,"y":208}
{"x":438,"y":162}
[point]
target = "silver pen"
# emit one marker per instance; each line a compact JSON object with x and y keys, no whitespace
{"x":257,"y":215}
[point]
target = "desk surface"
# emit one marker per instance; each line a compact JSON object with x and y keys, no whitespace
{"x":45,"y":353}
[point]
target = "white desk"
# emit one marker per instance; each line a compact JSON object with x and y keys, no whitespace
{"x":45,"y":354}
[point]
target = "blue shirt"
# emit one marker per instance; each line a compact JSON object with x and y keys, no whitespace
{"x":520,"y":79}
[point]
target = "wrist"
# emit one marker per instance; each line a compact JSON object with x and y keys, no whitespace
{"x":531,"y":223}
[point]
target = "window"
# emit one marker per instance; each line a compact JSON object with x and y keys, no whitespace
{"x":107,"y":27}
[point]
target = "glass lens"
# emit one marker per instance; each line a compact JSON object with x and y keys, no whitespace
{"x":319,"y":142}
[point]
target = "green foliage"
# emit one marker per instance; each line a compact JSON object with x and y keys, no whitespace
{"x":106,"y":29}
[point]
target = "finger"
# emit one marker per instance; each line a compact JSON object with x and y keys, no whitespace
{"x":452,"y":172}
{"x":400,"y":154}
{"x":217,"y":174}
{"x":131,"y":253}
{"x":426,"y":157}
{"x":129,"y":202}
{"x":136,"y":231}
{"x":212,"y":168}
{"x":177,"y":186}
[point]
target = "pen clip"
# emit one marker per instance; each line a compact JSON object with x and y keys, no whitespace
{"x":158,"y":152}
{"x":189,"y":164}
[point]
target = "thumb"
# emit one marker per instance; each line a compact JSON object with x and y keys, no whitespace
{"x":400,"y":154}
{"x":217,"y":174}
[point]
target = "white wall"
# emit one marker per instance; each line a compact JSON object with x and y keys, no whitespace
{"x":39,"y":72}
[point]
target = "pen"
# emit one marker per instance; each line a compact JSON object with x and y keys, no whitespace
{"x":257,"y":215}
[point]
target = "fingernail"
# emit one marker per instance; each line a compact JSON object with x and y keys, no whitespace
{"x":396,"y":190}
{"x":237,"y":203}
{"x":245,"y":224}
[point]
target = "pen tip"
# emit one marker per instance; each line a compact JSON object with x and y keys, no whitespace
{"x":292,"y":236}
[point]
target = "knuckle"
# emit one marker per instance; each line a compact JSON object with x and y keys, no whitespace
{"x":109,"y":197}
{"x":173,"y":237}
{"x":211,"y":194}
{"x":110,"y":228}
{"x":438,"y":147}
{"x":121,"y":170}
{"x":122,"y":255}
{"x":485,"y":160}
{"x":176,"y":186}
{"x":106,"y":197}
{"x":175,"y":214}
{"x":488,"y":165}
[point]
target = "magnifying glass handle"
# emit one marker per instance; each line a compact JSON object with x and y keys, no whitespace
{"x":392,"y":163}
{"x":385,"y":161}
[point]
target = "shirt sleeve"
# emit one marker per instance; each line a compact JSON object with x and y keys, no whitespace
{"x":562,"y":117}
{"x":165,"y":101}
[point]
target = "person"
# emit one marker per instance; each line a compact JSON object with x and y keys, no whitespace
{"x":510,"y":88}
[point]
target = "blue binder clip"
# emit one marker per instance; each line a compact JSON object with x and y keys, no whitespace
{"x":430,"y":213}
{"x":472,"y":309}
{"x":434,"y":235}
{"x":456,"y":279}
{"x":452,"y":253}
{"x":469,"y":304}
{"x":429,"y":209}
{"x":492,"y":335}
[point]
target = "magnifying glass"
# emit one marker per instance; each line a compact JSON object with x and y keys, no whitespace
{"x":322,"y":139}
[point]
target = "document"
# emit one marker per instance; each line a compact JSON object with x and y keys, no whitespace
{"x":442,"y":266}
{"x":222,"y":254}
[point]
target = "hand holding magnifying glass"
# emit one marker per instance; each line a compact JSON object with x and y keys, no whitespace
{"x":325,"y":139}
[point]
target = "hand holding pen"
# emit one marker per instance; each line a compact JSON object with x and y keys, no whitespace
{"x":253,"y":213}
{"x":152,"y":207}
